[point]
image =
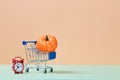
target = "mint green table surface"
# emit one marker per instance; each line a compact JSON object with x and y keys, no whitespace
{"x":65,"y":72}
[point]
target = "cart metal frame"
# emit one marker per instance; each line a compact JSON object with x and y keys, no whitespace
{"x":33,"y":55}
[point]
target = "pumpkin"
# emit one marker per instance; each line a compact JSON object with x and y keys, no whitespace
{"x":47,"y":43}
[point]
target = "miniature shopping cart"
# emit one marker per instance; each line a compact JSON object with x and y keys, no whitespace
{"x":35,"y":56}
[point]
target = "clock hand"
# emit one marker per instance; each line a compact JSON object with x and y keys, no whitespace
{"x":17,"y":67}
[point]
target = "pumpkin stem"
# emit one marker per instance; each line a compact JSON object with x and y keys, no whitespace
{"x":47,"y":38}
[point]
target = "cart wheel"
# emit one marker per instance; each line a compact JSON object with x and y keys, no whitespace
{"x":27,"y":70}
{"x":45,"y":71}
{"x":51,"y":70}
{"x":37,"y":69}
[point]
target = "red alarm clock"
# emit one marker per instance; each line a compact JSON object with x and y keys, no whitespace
{"x":18,"y":65}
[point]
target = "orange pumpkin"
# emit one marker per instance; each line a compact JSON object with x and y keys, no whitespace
{"x":47,"y":43}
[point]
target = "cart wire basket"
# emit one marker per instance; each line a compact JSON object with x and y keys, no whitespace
{"x":39,"y":58}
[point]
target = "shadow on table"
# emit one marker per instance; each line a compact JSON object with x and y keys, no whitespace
{"x":66,"y":72}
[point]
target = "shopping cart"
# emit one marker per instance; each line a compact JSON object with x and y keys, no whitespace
{"x":35,"y":56}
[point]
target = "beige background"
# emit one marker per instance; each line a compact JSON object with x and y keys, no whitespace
{"x":88,"y":31}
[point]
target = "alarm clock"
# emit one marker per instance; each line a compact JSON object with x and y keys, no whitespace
{"x":18,"y":65}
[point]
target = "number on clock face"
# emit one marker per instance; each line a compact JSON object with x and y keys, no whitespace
{"x":18,"y":67}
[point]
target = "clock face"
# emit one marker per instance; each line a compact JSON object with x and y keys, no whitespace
{"x":18,"y":67}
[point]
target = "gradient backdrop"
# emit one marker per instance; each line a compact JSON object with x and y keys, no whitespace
{"x":88,"y":31}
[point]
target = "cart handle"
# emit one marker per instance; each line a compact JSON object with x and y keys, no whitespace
{"x":25,"y":42}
